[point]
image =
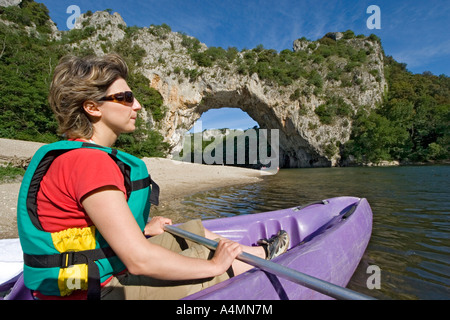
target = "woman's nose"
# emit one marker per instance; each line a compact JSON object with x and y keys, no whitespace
{"x":136,"y":104}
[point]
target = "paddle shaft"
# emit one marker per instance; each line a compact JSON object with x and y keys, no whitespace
{"x":316,"y":284}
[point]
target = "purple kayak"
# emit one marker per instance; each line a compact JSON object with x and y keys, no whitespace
{"x":327,"y":241}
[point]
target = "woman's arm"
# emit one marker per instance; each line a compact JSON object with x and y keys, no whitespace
{"x":110,"y":213}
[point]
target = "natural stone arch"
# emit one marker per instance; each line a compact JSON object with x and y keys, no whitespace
{"x":294,"y":150}
{"x":304,"y":140}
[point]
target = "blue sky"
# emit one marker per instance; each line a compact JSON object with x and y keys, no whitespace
{"x":415,"y":32}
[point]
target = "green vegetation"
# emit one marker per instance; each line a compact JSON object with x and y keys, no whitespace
{"x":27,"y":61}
{"x":282,"y":68}
{"x":334,"y":107}
{"x":160,"y":31}
{"x":411,"y":124}
{"x":28,"y":13}
{"x":286,"y":67}
{"x":10,"y":173}
{"x":26,"y":64}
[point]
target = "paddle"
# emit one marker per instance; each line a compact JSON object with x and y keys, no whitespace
{"x":319,"y":285}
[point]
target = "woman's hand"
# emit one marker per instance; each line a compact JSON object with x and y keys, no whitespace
{"x":225,"y":254}
{"x":156,"y":226}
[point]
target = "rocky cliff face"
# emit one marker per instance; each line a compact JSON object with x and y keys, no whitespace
{"x":188,"y":89}
{"x":8,"y":3}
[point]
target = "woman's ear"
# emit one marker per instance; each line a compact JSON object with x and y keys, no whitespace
{"x":92,"y":109}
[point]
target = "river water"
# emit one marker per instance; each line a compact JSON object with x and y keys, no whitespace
{"x":410,"y":240}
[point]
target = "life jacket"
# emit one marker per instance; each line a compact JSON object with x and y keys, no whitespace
{"x":56,"y":264}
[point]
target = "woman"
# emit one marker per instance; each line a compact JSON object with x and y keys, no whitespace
{"x":82,"y":200}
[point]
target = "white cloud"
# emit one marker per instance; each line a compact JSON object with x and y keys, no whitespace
{"x":416,"y":57}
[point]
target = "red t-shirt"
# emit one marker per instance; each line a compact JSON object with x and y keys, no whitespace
{"x":70,"y":177}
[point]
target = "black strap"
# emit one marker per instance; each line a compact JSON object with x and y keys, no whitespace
{"x":154,"y":196}
{"x":39,"y":173}
{"x":94,"y":285}
{"x":144,"y":183}
{"x":140,"y":184}
{"x":70,"y":258}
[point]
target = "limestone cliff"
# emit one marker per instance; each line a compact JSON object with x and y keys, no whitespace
{"x":312,"y":112}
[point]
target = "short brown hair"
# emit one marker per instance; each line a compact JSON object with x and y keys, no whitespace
{"x":77,"y":80}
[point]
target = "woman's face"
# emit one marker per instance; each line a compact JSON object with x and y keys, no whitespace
{"x":119,"y":117}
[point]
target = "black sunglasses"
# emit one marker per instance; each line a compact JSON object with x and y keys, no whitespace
{"x":121,"y":97}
